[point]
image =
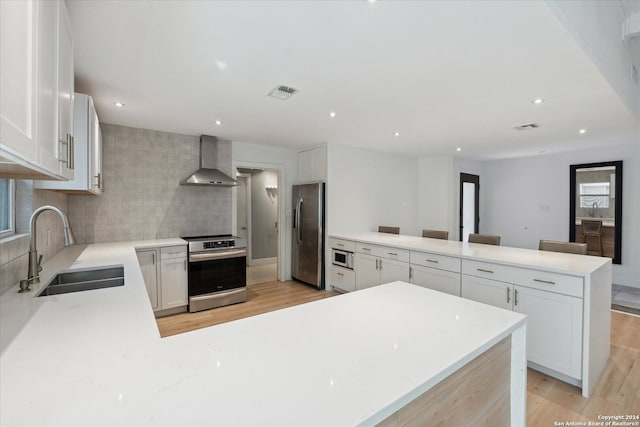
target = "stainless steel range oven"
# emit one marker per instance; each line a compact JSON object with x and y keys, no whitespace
{"x":217,"y":271}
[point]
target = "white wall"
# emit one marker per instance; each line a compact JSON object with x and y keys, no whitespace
{"x":597,"y":27}
{"x":436,"y":194}
{"x":368,"y":188}
{"x":527,"y":199}
{"x":246,"y":154}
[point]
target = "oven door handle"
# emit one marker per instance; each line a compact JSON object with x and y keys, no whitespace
{"x":212,"y":256}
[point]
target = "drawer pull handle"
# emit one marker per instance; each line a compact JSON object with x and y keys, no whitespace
{"x":548,"y":282}
{"x":366,"y":249}
{"x":340,"y":274}
{"x":435,"y":261}
{"x":340,"y":244}
{"x":392,"y":253}
{"x":484,"y":271}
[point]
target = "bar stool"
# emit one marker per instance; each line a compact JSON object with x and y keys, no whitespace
{"x":591,"y":229}
{"x":391,"y":230}
{"x":485,"y":239}
{"x":436,"y":234}
{"x":566,"y":247}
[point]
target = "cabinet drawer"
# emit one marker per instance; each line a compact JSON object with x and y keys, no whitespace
{"x":441,"y":262}
{"x":383,"y":251}
{"x":552,"y":282}
{"x":345,"y":245}
{"x":173,"y":252}
{"x":343,"y":278}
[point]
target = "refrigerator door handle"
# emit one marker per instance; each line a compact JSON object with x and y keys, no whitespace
{"x":299,"y":225}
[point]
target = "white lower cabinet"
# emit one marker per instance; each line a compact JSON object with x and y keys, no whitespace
{"x":174,"y":276}
{"x":438,"y":280}
{"x":165,"y":276}
{"x":373,"y":270}
{"x":554,"y":324}
{"x":343,"y":278}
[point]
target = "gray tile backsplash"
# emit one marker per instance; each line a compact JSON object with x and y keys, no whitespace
{"x":142,"y":198}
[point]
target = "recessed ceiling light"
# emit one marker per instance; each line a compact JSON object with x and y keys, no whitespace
{"x":118,"y":104}
{"x":582,"y":131}
{"x":458,"y":149}
{"x":332,"y":114}
{"x":372,"y":1}
{"x":218,"y":122}
{"x":396,"y":134}
{"x":538,"y":101}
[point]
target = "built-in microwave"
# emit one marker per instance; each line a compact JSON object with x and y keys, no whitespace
{"x":342,"y":258}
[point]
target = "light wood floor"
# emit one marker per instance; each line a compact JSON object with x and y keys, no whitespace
{"x":261,"y":298}
{"x":548,"y":400}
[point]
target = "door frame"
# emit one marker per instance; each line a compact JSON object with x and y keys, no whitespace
{"x":281,"y":236}
{"x":474,"y":179}
{"x":248,"y":215}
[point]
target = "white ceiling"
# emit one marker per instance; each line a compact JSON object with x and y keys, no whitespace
{"x":443,"y":74}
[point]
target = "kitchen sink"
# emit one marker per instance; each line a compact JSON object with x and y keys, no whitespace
{"x":84,"y":280}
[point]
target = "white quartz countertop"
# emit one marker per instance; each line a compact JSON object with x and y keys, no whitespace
{"x":577,"y":265}
{"x":96,"y":357}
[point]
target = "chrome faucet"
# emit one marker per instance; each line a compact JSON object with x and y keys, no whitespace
{"x":33,"y":275}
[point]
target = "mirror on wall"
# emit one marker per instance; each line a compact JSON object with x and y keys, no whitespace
{"x":596,"y":208}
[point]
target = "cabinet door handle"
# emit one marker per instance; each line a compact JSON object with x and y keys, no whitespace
{"x":99,"y":180}
{"x":515,"y":297}
{"x":435,"y":261}
{"x":380,"y":264}
{"x":185,"y":264}
{"x":392,"y":253}
{"x":548,"y":282}
{"x":377,"y":264}
{"x":71,"y":163}
{"x":508,"y":295}
{"x":153,"y":259}
{"x":410,"y":273}
{"x":484,"y":271}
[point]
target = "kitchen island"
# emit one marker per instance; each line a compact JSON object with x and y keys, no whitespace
{"x":566,"y":297}
{"x":96,"y":358}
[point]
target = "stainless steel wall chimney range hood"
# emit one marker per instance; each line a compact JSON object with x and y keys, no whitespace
{"x":215,"y":154}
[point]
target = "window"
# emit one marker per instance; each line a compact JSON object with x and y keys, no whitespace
{"x":594,"y":195}
{"x":7,"y":210}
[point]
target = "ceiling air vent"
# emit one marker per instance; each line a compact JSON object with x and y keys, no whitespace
{"x":527,"y":126}
{"x":282,"y":92}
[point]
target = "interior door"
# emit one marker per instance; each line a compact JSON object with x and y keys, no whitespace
{"x":469,"y":205}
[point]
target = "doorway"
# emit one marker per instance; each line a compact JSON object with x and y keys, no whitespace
{"x":257,"y":209}
{"x":469,"y":205}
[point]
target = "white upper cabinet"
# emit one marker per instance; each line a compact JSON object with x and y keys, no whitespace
{"x":18,"y":41}
{"x":87,"y":151}
{"x":312,"y":165}
{"x":36,"y":72}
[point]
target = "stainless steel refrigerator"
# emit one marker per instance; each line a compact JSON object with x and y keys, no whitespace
{"x":307,"y":243}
